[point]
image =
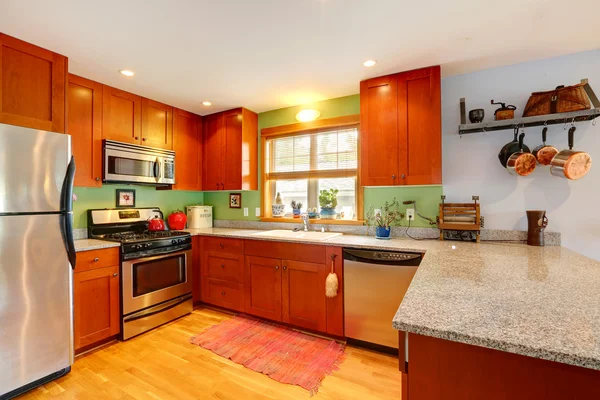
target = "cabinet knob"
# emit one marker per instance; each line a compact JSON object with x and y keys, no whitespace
{"x":217,"y":186}
{"x":144,"y":139}
{"x":136,"y":138}
{"x":222,"y":265}
{"x":223,"y":293}
{"x":402,"y":176}
{"x":284,"y":267}
{"x":222,"y":245}
{"x":115,"y":274}
{"x":276,"y":267}
{"x":96,"y":259}
{"x":222,"y":186}
{"x":97,"y":179}
{"x":393,"y":176}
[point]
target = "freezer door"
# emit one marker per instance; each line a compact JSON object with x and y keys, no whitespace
{"x":36,"y":324}
{"x":33,"y":164}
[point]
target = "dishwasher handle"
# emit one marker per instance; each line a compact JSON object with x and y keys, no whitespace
{"x":383,"y":257}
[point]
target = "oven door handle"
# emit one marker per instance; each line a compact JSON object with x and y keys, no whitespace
{"x":165,"y":255}
{"x":157,"y":309}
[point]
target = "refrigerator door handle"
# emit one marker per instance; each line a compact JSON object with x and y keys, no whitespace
{"x":66,"y":205}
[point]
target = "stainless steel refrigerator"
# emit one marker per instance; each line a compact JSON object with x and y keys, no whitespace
{"x":37,"y":254}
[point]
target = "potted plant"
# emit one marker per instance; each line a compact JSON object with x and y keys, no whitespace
{"x":382,"y":221}
{"x":296,"y":207}
{"x":328,"y":203}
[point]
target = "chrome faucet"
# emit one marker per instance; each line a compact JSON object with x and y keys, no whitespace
{"x":305,"y":222}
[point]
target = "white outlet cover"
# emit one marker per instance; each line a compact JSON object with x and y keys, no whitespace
{"x":257,"y":212}
{"x":410,"y":214}
{"x":245,"y":211}
{"x":377,"y":211}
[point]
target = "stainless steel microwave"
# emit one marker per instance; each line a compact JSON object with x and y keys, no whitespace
{"x":130,"y":163}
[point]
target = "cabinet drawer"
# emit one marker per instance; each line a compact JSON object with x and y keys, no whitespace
{"x":312,"y":253}
{"x":225,"y":245}
{"x":92,"y":259}
{"x":225,"y":294}
{"x":226,"y":267}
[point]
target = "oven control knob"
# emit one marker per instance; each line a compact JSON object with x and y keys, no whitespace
{"x":174,"y":241}
{"x":148,"y":245}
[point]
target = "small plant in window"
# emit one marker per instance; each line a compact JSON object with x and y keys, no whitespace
{"x":382,"y":221}
{"x":296,"y":207}
{"x":278,"y":209}
{"x":328,"y":202}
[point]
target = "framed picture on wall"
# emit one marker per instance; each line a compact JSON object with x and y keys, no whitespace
{"x":235,"y":200}
{"x":125,"y":198}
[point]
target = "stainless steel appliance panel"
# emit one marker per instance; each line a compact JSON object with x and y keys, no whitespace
{"x":372,"y":294}
{"x":36,"y":329}
{"x":33,"y":164}
{"x":152,"y":317}
{"x":145,"y":285}
{"x":124,"y":162}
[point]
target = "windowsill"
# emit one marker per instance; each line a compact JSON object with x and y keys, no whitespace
{"x":315,"y":221}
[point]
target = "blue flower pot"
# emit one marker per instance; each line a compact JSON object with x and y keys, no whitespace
{"x":380,"y":231}
{"x":328,"y":213}
{"x":296,"y":212}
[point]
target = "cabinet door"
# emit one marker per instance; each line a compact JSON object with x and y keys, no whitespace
{"x":213,"y":152}
{"x":122,"y":116}
{"x":85,"y":127}
{"x":263,"y":287}
{"x":157,"y":124}
{"x":379,"y":131}
{"x":187,"y":143}
{"x":335,"y":305}
{"x":96,"y":305}
{"x":196,"y":275}
{"x":419,"y":122}
{"x":32,"y":86}
{"x":232,"y":156}
{"x":303,"y":294}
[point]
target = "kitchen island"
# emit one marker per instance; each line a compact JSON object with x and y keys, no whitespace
{"x":502,"y":321}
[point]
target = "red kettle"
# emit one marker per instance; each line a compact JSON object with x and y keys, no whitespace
{"x":156,"y":224}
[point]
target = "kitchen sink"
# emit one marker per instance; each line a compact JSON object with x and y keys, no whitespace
{"x":299,"y":235}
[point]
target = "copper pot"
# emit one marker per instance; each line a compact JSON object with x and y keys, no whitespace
{"x":569,"y":163}
{"x":544,"y":153}
{"x":521,"y":163}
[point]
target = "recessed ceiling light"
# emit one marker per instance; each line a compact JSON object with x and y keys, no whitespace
{"x":126,"y":72}
{"x":307,"y":115}
{"x":369,"y":63}
{"x":206,"y":103}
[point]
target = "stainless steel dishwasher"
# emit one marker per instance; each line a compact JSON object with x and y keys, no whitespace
{"x":374,"y":285}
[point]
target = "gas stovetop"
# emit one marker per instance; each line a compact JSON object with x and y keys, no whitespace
{"x":130,"y":237}
{"x":130,"y":228}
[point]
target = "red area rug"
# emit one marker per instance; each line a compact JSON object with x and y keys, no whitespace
{"x":283,"y":354}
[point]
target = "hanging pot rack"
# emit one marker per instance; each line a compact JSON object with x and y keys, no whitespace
{"x":538,"y":120}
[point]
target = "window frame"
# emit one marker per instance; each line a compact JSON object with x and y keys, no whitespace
{"x":323,"y":125}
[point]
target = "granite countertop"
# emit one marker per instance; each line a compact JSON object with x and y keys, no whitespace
{"x":93,"y":244}
{"x":541,"y":302}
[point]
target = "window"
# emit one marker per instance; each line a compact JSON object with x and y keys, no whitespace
{"x":300,"y":165}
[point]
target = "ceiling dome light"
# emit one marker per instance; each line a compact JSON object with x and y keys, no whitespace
{"x":307,"y":115}
{"x":369,"y":63}
{"x":126,"y":72}
{"x":206,"y":103}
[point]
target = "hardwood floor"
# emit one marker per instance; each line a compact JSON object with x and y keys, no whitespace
{"x":162,"y":364}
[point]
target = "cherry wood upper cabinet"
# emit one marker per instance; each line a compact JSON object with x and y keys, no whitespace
{"x":400,"y":119}
{"x":187,"y":143}
{"x":231,"y":150}
{"x":33,"y":83}
{"x":213,"y":152}
{"x":263,"y":287}
{"x":122,"y":116}
{"x":303,"y":294}
{"x":84,"y":116}
{"x":157,"y":124}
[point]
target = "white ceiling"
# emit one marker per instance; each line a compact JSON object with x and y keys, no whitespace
{"x":268,"y":54}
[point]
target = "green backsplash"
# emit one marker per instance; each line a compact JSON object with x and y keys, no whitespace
{"x":105,"y":197}
{"x":427,"y":197}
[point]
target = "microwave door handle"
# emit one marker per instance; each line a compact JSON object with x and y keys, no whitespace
{"x":157,"y":169}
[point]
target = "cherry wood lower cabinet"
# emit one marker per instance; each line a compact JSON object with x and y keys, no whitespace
{"x":263,"y":287}
{"x":303,"y":295}
{"x":196,"y":274}
{"x":441,"y":369}
{"x":96,"y":301}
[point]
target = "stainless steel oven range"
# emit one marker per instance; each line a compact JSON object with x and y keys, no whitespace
{"x":156,"y":281}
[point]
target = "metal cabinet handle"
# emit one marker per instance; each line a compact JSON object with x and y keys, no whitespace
{"x":96,"y":259}
{"x":276,"y":267}
{"x":223,"y":293}
{"x":394,"y":177}
{"x":284,"y":267}
{"x":115,"y":274}
{"x":217,"y":186}
{"x":97,"y":179}
{"x":222,"y":186}
{"x":222,"y":265}
{"x":222,"y":245}
{"x":402,"y":176}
